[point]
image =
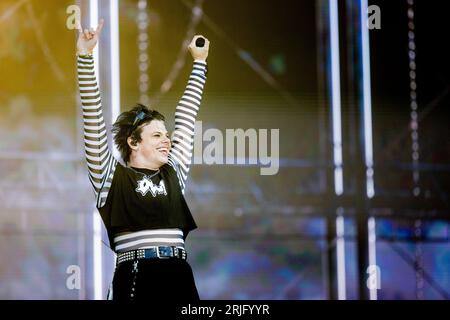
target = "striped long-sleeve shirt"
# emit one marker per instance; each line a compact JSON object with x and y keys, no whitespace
{"x":100,"y":162}
{"x":185,"y":115}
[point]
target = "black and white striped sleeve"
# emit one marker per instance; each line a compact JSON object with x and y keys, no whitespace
{"x":185,"y":116}
{"x":100,"y":162}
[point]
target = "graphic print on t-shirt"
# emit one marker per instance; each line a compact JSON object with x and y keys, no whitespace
{"x":145,"y":185}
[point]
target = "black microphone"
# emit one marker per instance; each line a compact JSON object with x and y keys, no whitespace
{"x":200,"y":42}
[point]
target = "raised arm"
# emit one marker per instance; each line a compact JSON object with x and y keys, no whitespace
{"x":186,"y":113}
{"x":100,"y":162}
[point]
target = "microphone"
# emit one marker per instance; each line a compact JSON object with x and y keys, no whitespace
{"x":200,"y":42}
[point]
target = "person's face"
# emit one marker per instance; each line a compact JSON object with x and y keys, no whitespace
{"x":155,"y":144}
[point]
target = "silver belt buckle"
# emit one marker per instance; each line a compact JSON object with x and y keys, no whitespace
{"x":159,"y":255}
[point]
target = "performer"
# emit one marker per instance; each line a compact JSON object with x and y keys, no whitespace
{"x":142,"y":202}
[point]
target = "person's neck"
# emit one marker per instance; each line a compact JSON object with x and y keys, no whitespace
{"x":138,"y":162}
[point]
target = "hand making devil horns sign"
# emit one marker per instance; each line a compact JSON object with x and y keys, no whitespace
{"x":88,"y":38}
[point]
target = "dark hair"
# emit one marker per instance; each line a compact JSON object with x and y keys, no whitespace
{"x":129,"y":124}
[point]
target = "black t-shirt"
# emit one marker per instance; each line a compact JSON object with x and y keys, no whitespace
{"x":141,"y":199}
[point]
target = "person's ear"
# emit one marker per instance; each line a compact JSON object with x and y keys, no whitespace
{"x":132,"y":143}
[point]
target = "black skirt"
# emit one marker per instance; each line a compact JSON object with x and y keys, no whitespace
{"x":154,"y":280}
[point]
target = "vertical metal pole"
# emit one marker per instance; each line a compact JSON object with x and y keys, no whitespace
{"x":330,"y":54}
{"x":96,"y":220}
{"x":363,"y":155}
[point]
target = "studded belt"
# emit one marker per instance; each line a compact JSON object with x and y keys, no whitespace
{"x":161,"y":252}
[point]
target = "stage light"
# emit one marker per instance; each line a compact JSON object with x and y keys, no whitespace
{"x":115,"y":59}
{"x":367,"y":102}
{"x":142,"y":21}
{"x":337,"y":145}
{"x":340,"y":254}
{"x":336,"y":99}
